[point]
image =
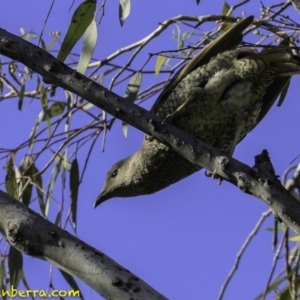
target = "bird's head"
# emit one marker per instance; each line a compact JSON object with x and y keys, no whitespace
{"x":118,"y":182}
{"x":126,"y":178}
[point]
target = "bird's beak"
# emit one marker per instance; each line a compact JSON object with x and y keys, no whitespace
{"x":101,"y":198}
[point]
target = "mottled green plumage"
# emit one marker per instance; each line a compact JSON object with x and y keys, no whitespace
{"x":218,"y":97}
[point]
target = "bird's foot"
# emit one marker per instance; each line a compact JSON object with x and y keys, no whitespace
{"x":220,"y":181}
{"x":149,"y":138}
{"x":214,"y":175}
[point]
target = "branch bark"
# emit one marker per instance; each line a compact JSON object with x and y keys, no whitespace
{"x":249,"y":180}
{"x":34,"y":235}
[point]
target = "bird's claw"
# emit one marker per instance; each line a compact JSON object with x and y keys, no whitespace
{"x":149,"y":138}
{"x":214,"y":175}
{"x":220,"y":180}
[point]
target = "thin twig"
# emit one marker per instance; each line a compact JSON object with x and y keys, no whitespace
{"x":242,"y":250}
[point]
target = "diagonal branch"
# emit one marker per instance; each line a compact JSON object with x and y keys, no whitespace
{"x":270,"y":190}
{"x":32,"y":234}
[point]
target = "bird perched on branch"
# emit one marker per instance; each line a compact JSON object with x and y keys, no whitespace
{"x":218,"y":97}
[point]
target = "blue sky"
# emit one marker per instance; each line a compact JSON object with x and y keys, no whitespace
{"x":182,"y":240}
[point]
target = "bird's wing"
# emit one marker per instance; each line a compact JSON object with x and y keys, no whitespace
{"x":227,"y":41}
{"x":272,"y":93}
{"x":287,"y":65}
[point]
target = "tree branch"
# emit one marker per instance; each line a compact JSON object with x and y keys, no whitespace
{"x":34,"y":235}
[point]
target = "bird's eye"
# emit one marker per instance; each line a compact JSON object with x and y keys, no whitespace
{"x":114,"y":173}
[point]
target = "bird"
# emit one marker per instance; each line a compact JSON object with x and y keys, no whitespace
{"x":217,"y":97}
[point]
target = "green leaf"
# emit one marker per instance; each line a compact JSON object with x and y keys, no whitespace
{"x":295,"y":238}
{"x":74,"y":187}
{"x":59,"y":161}
{"x":38,"y":181}
{"x":12,"y":69}
{"x":63,"y":162}
{"x":10,"y":178}
{"x":176,"y":36}
{"x":26,"y":169}
{"x":81,"y":19}
{"x":274,"y":286}
{"x":2,"y":276}
{"x":225,"y":10}
{"x":43,"y":98}
{"x":15,"y":265}
{"x":124,"y":10}
{"x":87,"y":106}
{"x":159,"y":62}
{"x":71,"y":281}
{"x":21,"y":96}
{"x":28,"y":35}
{"x":102,"y":76}
{"x":133,"y":87}
{"x":18,"y":182}
{"x":131,"y":93}
{"x":34,"y":129}
{"x":1,"y":83}
{"x":125,"y":128}
{"x":54,"y":110}
{"x":23,"y":278}
{"x":13,"y":182}
{"x":89,"y":43}
{"x":284,"y":294}
{"x":58,"y":219}
{"x":44,"y":102}
{"x":283,"y":93}
{"x":53,"y":91}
